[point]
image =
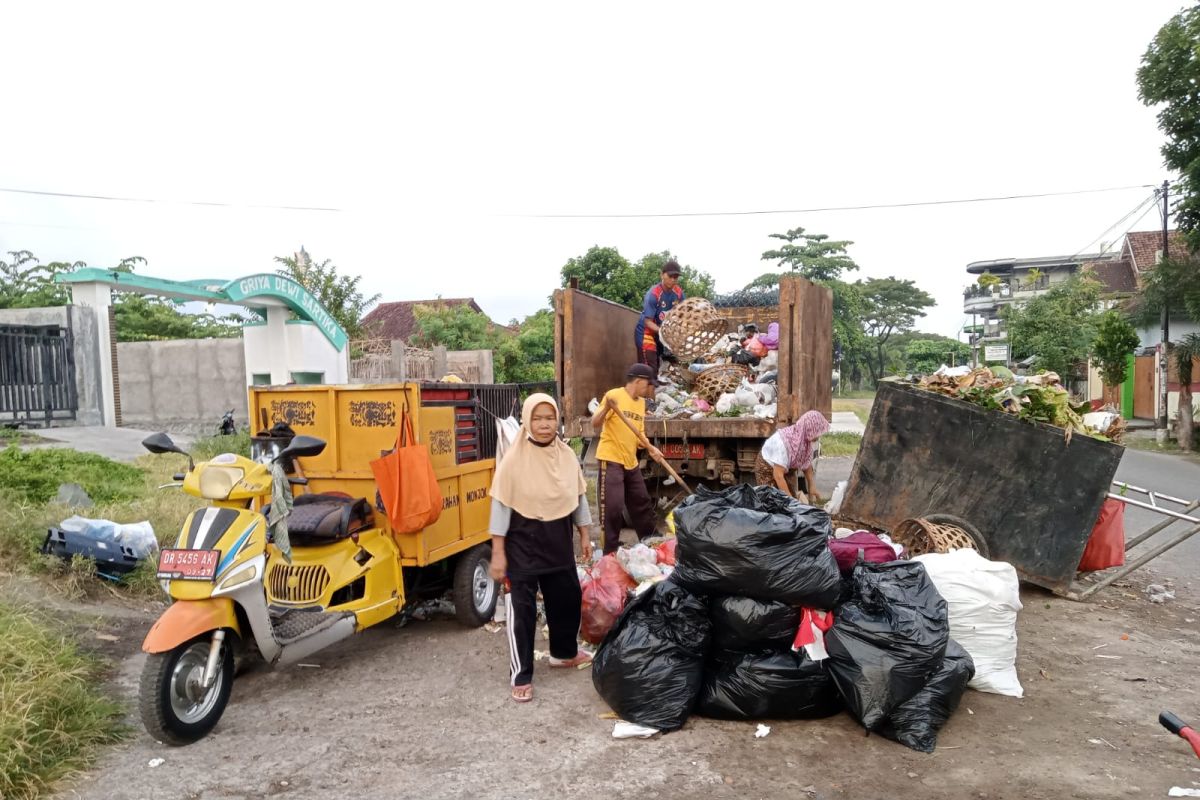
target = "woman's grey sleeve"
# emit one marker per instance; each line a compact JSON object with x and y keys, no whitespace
{"x":583,"y":514}
{"x":500,"y":519}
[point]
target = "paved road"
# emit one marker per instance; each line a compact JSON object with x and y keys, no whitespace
{"x":1171,"y":475}
{"x":119,"y":444}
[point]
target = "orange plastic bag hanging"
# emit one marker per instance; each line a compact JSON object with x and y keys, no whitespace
{"x":407,"y":483}
{"x":1106,"y":545}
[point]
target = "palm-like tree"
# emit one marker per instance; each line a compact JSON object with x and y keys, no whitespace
{"x":1185,"y":351}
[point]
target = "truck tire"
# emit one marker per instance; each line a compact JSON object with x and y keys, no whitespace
{"x":475,"y":593}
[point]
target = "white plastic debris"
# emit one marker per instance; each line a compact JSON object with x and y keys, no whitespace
{"x":628,"y":730}
{"x":1158,"y":594}
{"x":157,"y":762}
{"x":954,"y":372}
{"x":835,"y":502}
{"x":726,"y":402}
{"x":762,"y":732}
{"x":745,"y":397}
{"x":138,"y":537}
{"x":593,"y":406}
{"x":769,"y":411}
{"x":1179,"y":791}
{"x":639,"y":561}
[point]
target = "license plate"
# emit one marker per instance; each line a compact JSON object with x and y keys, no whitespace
{"x":677,"y":452}
{"x":188,"y":565}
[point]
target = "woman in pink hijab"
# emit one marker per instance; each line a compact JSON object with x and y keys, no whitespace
{"x":791,"y":450}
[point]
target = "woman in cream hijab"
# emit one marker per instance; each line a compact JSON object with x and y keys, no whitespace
{"x":538,"y":495}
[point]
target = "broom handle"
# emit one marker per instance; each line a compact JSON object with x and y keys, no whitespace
{"x":646,"y":444}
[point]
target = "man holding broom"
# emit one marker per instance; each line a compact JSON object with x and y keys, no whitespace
{"x":620,"y":483}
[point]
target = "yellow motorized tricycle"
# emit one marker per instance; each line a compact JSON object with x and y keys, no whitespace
{"x":236,"y":592}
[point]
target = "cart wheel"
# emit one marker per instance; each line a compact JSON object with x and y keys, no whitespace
{"x":475,"y":593}
{"x":970,"y":530}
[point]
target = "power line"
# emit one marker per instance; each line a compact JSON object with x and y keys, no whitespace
{"x":829,"y":208}
{"x":1153,"y":198}
{"x":153,"y":200}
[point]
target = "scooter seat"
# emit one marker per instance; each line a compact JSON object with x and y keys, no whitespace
{"x":319,"y":519}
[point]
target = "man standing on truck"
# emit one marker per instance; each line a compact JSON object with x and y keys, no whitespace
{"x":660,"y":299}
{"x":620,"y":485}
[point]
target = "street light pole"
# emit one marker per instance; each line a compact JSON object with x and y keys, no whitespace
{"x":1163,"y":356}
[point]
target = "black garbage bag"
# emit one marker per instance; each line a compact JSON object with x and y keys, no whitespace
{"x":916,"y":723}
{"x":743,"y":623}
{"x":887,"y":640}
{"x":772,"y":684}
{"x":755,"y":541}
{"x":650,"y":666}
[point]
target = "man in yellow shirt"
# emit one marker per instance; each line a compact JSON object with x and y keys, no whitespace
{"x":620,"y":484}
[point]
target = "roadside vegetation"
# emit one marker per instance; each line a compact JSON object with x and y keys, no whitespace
{"x":52,"y":718}
{"x":840,"y":444}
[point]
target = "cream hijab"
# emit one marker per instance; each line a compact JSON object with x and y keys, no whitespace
{"x":542,"y":483}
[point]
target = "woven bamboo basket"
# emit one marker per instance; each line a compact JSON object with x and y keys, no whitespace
{"x":692,"y":329}
{"x":716,"y":381}
{"x":920,"y":536}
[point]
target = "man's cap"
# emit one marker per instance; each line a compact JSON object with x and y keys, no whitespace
{"x":643,"y":371}
{"x":672,"y":267}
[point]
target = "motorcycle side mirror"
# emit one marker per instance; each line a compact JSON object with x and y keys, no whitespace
{"x":159,"y":443}
{"x":302,"y":447}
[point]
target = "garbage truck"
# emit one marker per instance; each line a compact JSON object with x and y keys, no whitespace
{"x":594,"y":346}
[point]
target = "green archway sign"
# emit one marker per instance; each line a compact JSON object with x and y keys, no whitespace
{"x":292,"y":295}
{"x":242,"y":291}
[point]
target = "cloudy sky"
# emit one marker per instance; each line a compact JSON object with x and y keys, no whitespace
{"x":447,"y":135}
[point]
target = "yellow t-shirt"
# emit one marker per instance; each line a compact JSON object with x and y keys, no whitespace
{"x":617,"y":442}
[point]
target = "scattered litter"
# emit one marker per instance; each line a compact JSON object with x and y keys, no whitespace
{"x":1102,"y":741}
{"x":969,"y":711}
{"x":1044,"y":674}
{"x":1114,"y":658}
{"x":762,"y":732}
{"x":157,"y":762}
{"x":1158,"y":594}
{"x":540,"y":655}
{"x":1097,"y":647}
{"x":607,"y":715}
{"x":1124,"y":637}
{"x":73,"y":495}
{"x":913,"y":775}
{"x":309,"y":666}
{"x":627,"y":730}
{"x":493,"y":627}
{"x":284,"y":784}
{"x":1179,"y":791}
{"x":107,"y":637}
{"x":1136,"y":680}
{"x":1189,"y":620}
{"x":585,"y":665}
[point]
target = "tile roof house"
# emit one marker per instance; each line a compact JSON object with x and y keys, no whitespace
{"x":397,"y":321}
{"x":1142,"y":248}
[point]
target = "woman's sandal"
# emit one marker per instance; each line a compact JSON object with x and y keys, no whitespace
{"x":522,"y":694}
{"x":581,"y":657}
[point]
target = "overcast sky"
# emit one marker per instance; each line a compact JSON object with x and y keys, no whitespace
{"x":433,"y":127}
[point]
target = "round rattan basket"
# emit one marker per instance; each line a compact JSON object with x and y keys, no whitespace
{"x":692,"y":329}
{"x":716,"y":381}
{"x":920,"y":536}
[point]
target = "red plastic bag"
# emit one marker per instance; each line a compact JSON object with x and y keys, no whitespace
{"x":603,"y":598}
{"x":1106,"y":545}
{"x":666,"y":552}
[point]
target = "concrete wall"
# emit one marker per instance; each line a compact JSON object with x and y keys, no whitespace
{"x":83,"y":324}
{"x":293,"y":346}
{"x":183,"y":385}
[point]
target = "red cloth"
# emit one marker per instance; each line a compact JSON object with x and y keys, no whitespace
{"x":1106,"y":545}
{"x":666,"y":552}
{"x":810,"y":619}
{"x":875,"y":550}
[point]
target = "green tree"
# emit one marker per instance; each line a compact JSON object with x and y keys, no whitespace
{"x":339,"y":294}
{"x":812,"y":255}
{"x":528,"y":357}
{"x":1174,"y":282}
{"x":455,"y":327}
{"x":604,"y":272}
{"x":1185,"y":352}
{"x":27,"y":283}
{"x":891,"y":305}
{"x":1168,"y":77}
{"x":1058,"y":327}
{"x":1115,"y":342}
{"x":147,"y":318}
{"x":923,"y":353}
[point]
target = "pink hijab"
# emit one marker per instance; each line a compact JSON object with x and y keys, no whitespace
{"x":799,"y":438}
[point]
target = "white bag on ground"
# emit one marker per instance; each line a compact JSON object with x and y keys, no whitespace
{"x":983,"y":598}
{"x":137,"y":537}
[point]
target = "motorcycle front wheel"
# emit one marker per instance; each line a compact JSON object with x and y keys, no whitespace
{"x":175,"y":707}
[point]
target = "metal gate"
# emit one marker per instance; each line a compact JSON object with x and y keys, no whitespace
{"x":37,"y":374}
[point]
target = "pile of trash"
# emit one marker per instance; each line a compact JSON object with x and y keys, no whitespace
{"x":767,"y":614}
{"x":1035,"y":398}
{"x":615,"y":578}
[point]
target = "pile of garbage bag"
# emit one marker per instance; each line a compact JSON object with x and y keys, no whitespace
{"x":613,"y":579}
{"x":757,"y":621}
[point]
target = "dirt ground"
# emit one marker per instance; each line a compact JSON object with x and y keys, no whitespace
{"x":422,"y":711}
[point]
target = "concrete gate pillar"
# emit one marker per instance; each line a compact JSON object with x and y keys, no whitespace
{"x":98,"y":298}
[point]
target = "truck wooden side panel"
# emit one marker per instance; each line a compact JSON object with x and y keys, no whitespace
{"x":593,"y":347}
{"x":359,"y":423}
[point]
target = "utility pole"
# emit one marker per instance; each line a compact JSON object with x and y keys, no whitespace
{"x":1161,"y":434}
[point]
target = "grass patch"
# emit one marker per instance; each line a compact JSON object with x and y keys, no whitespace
{"x":1150,"y":445}
{"x":210,"y":446}
{"x":840,"y":444}
{"x":17,"y":436}
{"x":860,"y":407}
{"x":35,"y":475}
{"x":52,"y":719}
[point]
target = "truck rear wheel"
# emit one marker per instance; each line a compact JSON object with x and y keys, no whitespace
{"x":475,"y":593}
